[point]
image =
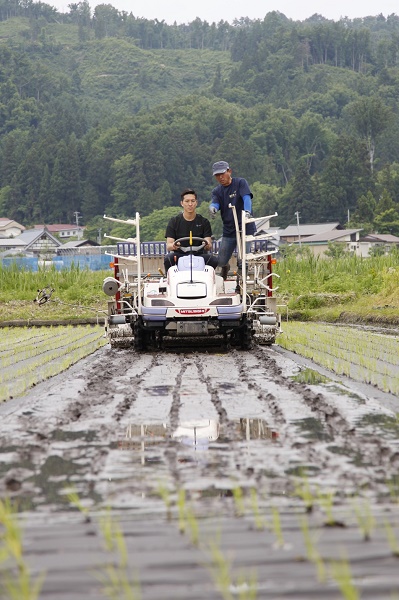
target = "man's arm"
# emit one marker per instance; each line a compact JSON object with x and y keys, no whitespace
{"x":247,"y":203}
{"x":170,"y":244}
{"x":214,"y":205}
{"x":208,"y":243}
{"x":171,"y":235}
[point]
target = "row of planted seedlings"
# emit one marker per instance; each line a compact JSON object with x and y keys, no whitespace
{"x":364,"y":356}
{"x":265,"y":516}
{"x":315,"y":511}
{"x":24,"y":365}
{"x":20,"y":348}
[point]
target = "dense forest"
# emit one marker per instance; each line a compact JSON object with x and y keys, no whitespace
{"x":104,"y":112}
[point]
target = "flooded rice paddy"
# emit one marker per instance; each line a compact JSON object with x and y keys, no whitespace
{"x":256,"y":464}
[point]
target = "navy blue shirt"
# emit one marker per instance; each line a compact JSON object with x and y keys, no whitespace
{"x":232,"y":194}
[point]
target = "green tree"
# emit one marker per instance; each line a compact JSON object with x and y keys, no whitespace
{"x":387,"y":222}
{"x":385,"y":202}
{"x":370,"y":117}
{"x":299,"y":197}
{"x":346,"y":176}
{"x":335,"y":250}
{"x":366,"y":206}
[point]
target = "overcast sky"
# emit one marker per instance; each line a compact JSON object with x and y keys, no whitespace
{"x":184,"y":11}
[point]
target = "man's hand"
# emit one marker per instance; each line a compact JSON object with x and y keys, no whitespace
{"x":176,"y":246}
{"x":248,"y":215}
{"x":213,"y":211}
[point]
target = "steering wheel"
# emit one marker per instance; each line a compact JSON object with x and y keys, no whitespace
{"x":202,"y":244}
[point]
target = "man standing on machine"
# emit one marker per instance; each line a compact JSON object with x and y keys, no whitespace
{"x":234,"y":191}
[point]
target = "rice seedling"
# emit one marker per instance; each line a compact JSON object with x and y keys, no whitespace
{"x":193,"y":525}
{"x":181,"y":506}
{"x":341,"y":573}
{"x":17,"y":582}
{"x":238,"y":501}
{"x":312,"y":553}
{"x":277,"y":528}
{"x":326,"y":501}
{"x":74,"y":499}
{"x":303,"y":491}
{"x":365,"y":518}
{"x":220,"y":568}
{"x":115,"y":577}
{"x":392,"y":539}
{"x":164,"y":493}
{"x":260,"y":521}
{"x":187,"y":518}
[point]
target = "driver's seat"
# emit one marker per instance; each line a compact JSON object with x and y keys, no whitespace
{"x":184,"y":263}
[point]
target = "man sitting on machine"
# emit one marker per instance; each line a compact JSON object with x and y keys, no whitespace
{"x":188,"y":225}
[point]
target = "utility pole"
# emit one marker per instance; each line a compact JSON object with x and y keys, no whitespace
{"x":77,"y":217}
{"x":99,"y":235}
{"x":297,"y":224}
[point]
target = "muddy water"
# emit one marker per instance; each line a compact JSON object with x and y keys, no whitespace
{"x":120,"y":427}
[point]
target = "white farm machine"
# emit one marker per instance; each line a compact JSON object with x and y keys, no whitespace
{"x":191,"y":302}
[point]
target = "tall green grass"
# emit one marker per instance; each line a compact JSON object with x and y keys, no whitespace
{"x":303,"y":273}
{"x":71,"y":285}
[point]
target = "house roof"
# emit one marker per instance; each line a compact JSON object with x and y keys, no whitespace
{"x":8,"y":223}
{"x":12,"y":242}
{"x":55,"y":227}
{"x":31,"y":235}
{"x":78,"y":244}
{"x":309,"y":229}
{"x":380,"y":237}
{"x":328,"y":236}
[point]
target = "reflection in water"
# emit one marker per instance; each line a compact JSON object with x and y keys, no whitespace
{"x":256,"y":429}
{"x":193,"y":434}
{"x":312,"y":428}
{"x":197,"y":434}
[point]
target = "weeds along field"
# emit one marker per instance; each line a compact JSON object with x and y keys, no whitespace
{"x":322,"y":289}
{"x":76,"y":293}
{"x":362,"y":355}
{"x":31,"y":355}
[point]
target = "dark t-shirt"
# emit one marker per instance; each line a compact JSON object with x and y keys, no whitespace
{"x":232,"y":194}
{"x":178,"y":227}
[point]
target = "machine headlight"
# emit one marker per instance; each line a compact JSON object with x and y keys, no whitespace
{"x":160,"y":302}
{"x":222,"y":302}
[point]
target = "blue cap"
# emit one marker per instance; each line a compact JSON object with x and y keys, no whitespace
{"x":220,"y":167}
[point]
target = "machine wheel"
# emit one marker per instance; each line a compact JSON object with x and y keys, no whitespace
{"x":246,"y":337}
{"x":140,"y":336}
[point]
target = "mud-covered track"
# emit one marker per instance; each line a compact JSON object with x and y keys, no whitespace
{"x":320,"y":428}
{"x":119,"y":426}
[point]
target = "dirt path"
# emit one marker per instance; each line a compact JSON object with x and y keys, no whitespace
{"x":120,"y":427}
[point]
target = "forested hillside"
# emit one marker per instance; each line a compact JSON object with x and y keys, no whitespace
{"x":103,"y":112}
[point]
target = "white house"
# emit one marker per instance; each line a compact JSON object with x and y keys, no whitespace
{"x":319,"y":243}
{"x":63,"y":230}
{"x":39,"y":241}
{"x":10,"y":228}
{"x":386,"y":241}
